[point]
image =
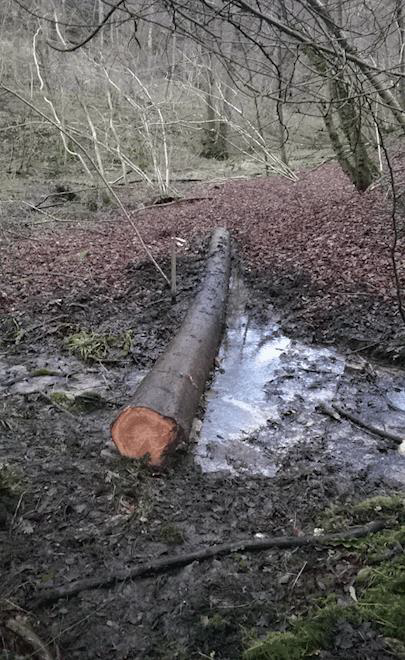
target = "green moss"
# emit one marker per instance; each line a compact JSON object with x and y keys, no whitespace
{"x":383,"y":600}
{"x":378,"y":547}
{"x":61,"y":399}
{"x":171,"y":534}
{"x":306,"y":637}
{"x":38,"y":373}
{"x":381,"y":506}
{"x":380,"y":587}
{"x":10,"y":481}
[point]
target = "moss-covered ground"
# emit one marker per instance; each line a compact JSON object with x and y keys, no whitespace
{"x":377,"y":592}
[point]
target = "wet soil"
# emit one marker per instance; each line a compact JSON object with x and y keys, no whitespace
{"x":74,"y":509}
{"x":80,"y":510}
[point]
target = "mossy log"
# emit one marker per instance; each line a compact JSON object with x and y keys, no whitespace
{"x":162,"y":410}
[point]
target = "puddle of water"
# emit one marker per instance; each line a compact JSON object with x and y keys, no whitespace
{"x":263,"y":401}
{"x":263,"y":377}
{"x":262,"y":374}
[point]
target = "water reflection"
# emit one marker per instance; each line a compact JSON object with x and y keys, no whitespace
{"x":263,"y":400}
{"x":254,"y":359}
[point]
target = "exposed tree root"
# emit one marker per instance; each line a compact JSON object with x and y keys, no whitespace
{"x":161,"y":565}
{"x":376,"y":430}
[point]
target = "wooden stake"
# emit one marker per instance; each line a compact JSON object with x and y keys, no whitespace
{"x":173,"y":270}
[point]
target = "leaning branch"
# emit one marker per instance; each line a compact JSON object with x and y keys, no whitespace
{"x":162,"y":565}
{"x":92,"y":34}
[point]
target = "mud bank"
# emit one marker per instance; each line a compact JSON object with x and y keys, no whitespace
{"x":72,"y":508}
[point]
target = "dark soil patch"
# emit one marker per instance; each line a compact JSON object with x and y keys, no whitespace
{"x":85,"y":512}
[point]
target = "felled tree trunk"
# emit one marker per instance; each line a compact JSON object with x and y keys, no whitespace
{"x":163,"y":408}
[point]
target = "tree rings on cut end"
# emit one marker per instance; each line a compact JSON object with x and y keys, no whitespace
{"x":139,"y":431}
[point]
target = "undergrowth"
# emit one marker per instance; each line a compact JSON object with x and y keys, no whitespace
{"x":94,"y":347}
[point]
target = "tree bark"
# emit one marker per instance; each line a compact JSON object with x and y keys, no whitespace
{"x":164,"y":405}
{"x":380,"y":86}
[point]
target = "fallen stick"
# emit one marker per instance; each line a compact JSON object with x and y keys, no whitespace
{"x":161,"y":565}
{"x":20,"y":626}
{"x":161,"y":412}
{"x":376,"y":430}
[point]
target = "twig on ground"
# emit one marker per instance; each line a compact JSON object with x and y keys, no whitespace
{"x":299,"y":575}
{"x":167,"y":563}
{"x":35,"y":208}
{"x":365,"y":348}
{"x":20,"y":626}
{"x":158,"y":205}
{"x":368,"y":426}
{"x":116,"y":182}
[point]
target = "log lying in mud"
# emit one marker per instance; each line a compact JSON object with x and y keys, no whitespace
{"x":162,"y":410}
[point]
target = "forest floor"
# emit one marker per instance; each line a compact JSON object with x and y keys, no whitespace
{"x":84,"y":315}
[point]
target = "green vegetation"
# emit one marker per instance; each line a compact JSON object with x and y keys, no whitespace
{"x":11,"y":331}
{"x":39,"y":373}
{"x":10,"y":481}
{"x":387,"y":507}
{"x":61,"y":399}
{"x":94,"y":347}
{"x":84,"y":402}
{"x":171,"y":534}
{"x":306,"y":637}
{"x":379,"y":588}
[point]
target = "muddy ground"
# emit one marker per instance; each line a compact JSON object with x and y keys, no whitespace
{"x":70,"y":508}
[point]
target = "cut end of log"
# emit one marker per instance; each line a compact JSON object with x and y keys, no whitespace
{"x":139,"y":431}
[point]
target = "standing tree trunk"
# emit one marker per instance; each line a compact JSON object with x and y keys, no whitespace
{"x":214,"y":141}
{"x":282,"y":128}
{"x":400,"y":18}
{"x":347,"y":136}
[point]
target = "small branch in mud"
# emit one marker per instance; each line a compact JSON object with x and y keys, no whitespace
{"x":334,"y":410}
{"x":171,"y":202}
{"x":20,"y":626}
{"x":161,"y":565}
